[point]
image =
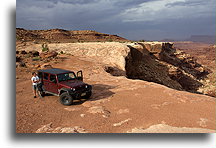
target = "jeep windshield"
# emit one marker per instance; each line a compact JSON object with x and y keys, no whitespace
{"x":66,"y":76}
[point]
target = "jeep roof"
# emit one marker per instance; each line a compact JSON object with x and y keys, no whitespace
{"x":55,"y":71}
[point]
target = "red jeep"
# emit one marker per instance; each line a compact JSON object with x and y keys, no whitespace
{"x":63,"y":83}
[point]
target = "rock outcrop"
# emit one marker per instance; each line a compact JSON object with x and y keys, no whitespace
{"x":205,"y":55}
{"x":161,"y":63}
{"x":51,"y":54}
{"x":163,"y":128}
{"x":49,"y":129}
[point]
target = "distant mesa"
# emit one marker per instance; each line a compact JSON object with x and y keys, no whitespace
{"x":209,"y":39}
{"x":64,"y":36}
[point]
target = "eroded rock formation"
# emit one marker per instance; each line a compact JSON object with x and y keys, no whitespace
{"x":161,"y":63}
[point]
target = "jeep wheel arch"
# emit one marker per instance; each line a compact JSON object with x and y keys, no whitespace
{"x":62,"y":90}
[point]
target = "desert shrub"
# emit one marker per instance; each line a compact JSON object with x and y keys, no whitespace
{"x":110,"y":40}
{"x":36,"y":58}
{"x":141,"y":40}
{"x":17,"y":37}
{"x":45,"y":48}
{"x":27,"y":56}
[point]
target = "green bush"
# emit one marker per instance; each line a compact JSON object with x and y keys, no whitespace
{"x":110,"y":40}
{"x":36,"y":58}
{"x":45,"y":48}
{"x":17,"y":37}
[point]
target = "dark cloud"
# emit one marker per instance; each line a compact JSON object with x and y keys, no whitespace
{"x":73,"y":1}
{"x":133,"y":19}
{"x":62,"y":1}
{"x":130,"y":3}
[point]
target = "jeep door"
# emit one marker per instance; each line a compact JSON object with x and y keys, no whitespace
{"x":79,"y":75}
{"x":49,"y":83}
{"x":46,"y":81}
{"x":53,"y":85}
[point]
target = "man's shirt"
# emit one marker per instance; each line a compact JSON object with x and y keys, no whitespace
{"x":36,"y":78}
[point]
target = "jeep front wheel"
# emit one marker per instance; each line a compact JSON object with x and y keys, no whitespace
{"x":66,"y":99}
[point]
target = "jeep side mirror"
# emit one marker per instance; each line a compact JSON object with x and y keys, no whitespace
{"x":80,"y":75}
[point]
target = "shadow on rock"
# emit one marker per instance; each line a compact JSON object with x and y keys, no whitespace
{"x":99,"y":92}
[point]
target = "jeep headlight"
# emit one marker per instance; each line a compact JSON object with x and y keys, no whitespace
{"x":73,"y":89}
{"x":86,"y":86}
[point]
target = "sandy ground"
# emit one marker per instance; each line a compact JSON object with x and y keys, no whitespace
{"x":118,"y":105}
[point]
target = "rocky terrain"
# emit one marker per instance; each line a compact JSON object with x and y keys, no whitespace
{"x":204,"y":53}
{"x":137,"y":87}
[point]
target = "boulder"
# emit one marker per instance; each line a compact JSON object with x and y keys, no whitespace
{"x":23,"y":52}
{"x":20,"y":64}
{"x":51,"y":54}
{"x":18,"y":59}
{"x":100,"y":110}
{"x":37,"y":66}
{"x":34,"y":53}
{"x":46,"y":66}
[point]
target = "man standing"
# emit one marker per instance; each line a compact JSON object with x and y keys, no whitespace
{"x":35,"y":80}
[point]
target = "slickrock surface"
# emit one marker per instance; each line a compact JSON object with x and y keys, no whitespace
{"x":140,"y":104}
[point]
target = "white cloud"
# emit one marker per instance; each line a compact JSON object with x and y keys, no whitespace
{"x":158,"y":11}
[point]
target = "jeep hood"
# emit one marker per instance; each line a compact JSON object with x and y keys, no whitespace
{"x":72,"y":83}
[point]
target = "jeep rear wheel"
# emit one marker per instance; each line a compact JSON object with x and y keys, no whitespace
{"x":66,"y":99}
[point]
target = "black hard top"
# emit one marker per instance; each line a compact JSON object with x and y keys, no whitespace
{"x":54,"y":71}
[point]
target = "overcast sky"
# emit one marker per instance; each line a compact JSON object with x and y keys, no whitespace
{"x":132,"y":19}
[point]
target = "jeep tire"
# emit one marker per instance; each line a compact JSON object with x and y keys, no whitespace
{"x":66,"y":99}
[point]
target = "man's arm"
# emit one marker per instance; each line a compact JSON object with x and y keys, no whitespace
{"x":37,"y":79}
{"x":34,"y":80}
